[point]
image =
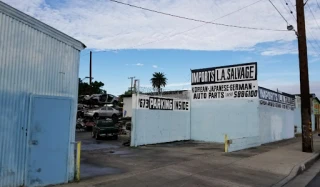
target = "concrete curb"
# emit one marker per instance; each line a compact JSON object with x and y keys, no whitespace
{"x":298,"y":169}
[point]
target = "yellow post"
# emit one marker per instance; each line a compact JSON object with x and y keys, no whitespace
{"x":78,"y":161}
{"x":225,"y":143}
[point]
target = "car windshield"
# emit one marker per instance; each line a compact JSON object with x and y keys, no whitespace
{"x":105,"y":124}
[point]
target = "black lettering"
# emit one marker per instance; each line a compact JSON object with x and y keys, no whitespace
{"x":232,"y":74}
{"x":222,"y":75}
{"x":247,"y":72}
{"x":251,"y":71}
{"x":217,"y":75}
{"x":242,"y":73}
{"x":241,"y":86}
{"x":212,"y":76}
{"x":228,"y":74}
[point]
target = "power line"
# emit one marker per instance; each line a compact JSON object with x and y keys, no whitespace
{"x":318,"y":4}
{"x":306,"y":2}
{"x":294,"y":17}
{"x":196,"y":20}
{"x":313,"y":16}
{"x":279,"y":12}
{"x":309,"y":33}
{"x":290,"y":11}
{"x":191,"y":29}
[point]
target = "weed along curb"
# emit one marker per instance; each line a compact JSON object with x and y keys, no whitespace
{"x":298,"y":169}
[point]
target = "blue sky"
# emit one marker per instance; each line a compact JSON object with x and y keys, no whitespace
{"x":114,"y":68}
{"x":132,"y":42}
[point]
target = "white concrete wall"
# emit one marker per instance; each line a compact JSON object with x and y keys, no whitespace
{"x":127,"y":106}
{"x":297,"y":119}
{"x":211,"y":120}
{"x":297,"y":115}
{"x":158,"y":126}
{"x":275,"y":123}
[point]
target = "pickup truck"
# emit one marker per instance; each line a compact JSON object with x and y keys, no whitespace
{"x":103,"y":129}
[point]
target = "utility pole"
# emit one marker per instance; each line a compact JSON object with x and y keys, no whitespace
{"x":90,"y":73}
{"x":131,"y":82}
{"x":307,"y":139}
{"x":90,"y":77}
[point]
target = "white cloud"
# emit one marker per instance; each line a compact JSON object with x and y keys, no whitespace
{"x":154,"y":66}
{"x":280,"y":49}
{"x":103,"y":25}
{"x":138,"y":64}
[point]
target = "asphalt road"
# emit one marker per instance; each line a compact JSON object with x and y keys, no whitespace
{"x":309,"y":178}
{"x":186,"y":163}
{"x":315,"y":182}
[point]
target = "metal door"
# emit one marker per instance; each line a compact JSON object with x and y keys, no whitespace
{"x":49,"y":128}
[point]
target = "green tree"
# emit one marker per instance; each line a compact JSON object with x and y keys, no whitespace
{"x":95,"y":88}
{"x":158,"y":80}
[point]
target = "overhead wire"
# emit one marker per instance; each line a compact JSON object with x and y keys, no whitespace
{"x":191,"y":29}
{"x":306,"y":2}
{"x":291,"y":12}
{"x":288,"y":9}
{"x":195,"y":20}
{"x":313,"y":16}
{"x":279,"y":12}
{"x":318,"y":4}
{"x":196,"y":27}
{"x":310,"y":33}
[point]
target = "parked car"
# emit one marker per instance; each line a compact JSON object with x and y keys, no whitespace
{"x":105,"y":128}
{"x":103,"y":112}
{"x":113,"y":99}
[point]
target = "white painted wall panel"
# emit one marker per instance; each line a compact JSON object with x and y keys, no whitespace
{"x":275,"y":124}
{"x":297,"y":119}
{"x":211,"y":120}
{"x":158,"y":126}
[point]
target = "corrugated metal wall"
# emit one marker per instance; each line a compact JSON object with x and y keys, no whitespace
{"x":31,"y":62}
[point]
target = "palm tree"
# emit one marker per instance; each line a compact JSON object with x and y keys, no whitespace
{"x":158,"y":80}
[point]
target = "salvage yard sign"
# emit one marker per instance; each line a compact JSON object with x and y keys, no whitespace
{"x":276,"y":99}
{"x":161,"y":103}
{"x":226,"y":82}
